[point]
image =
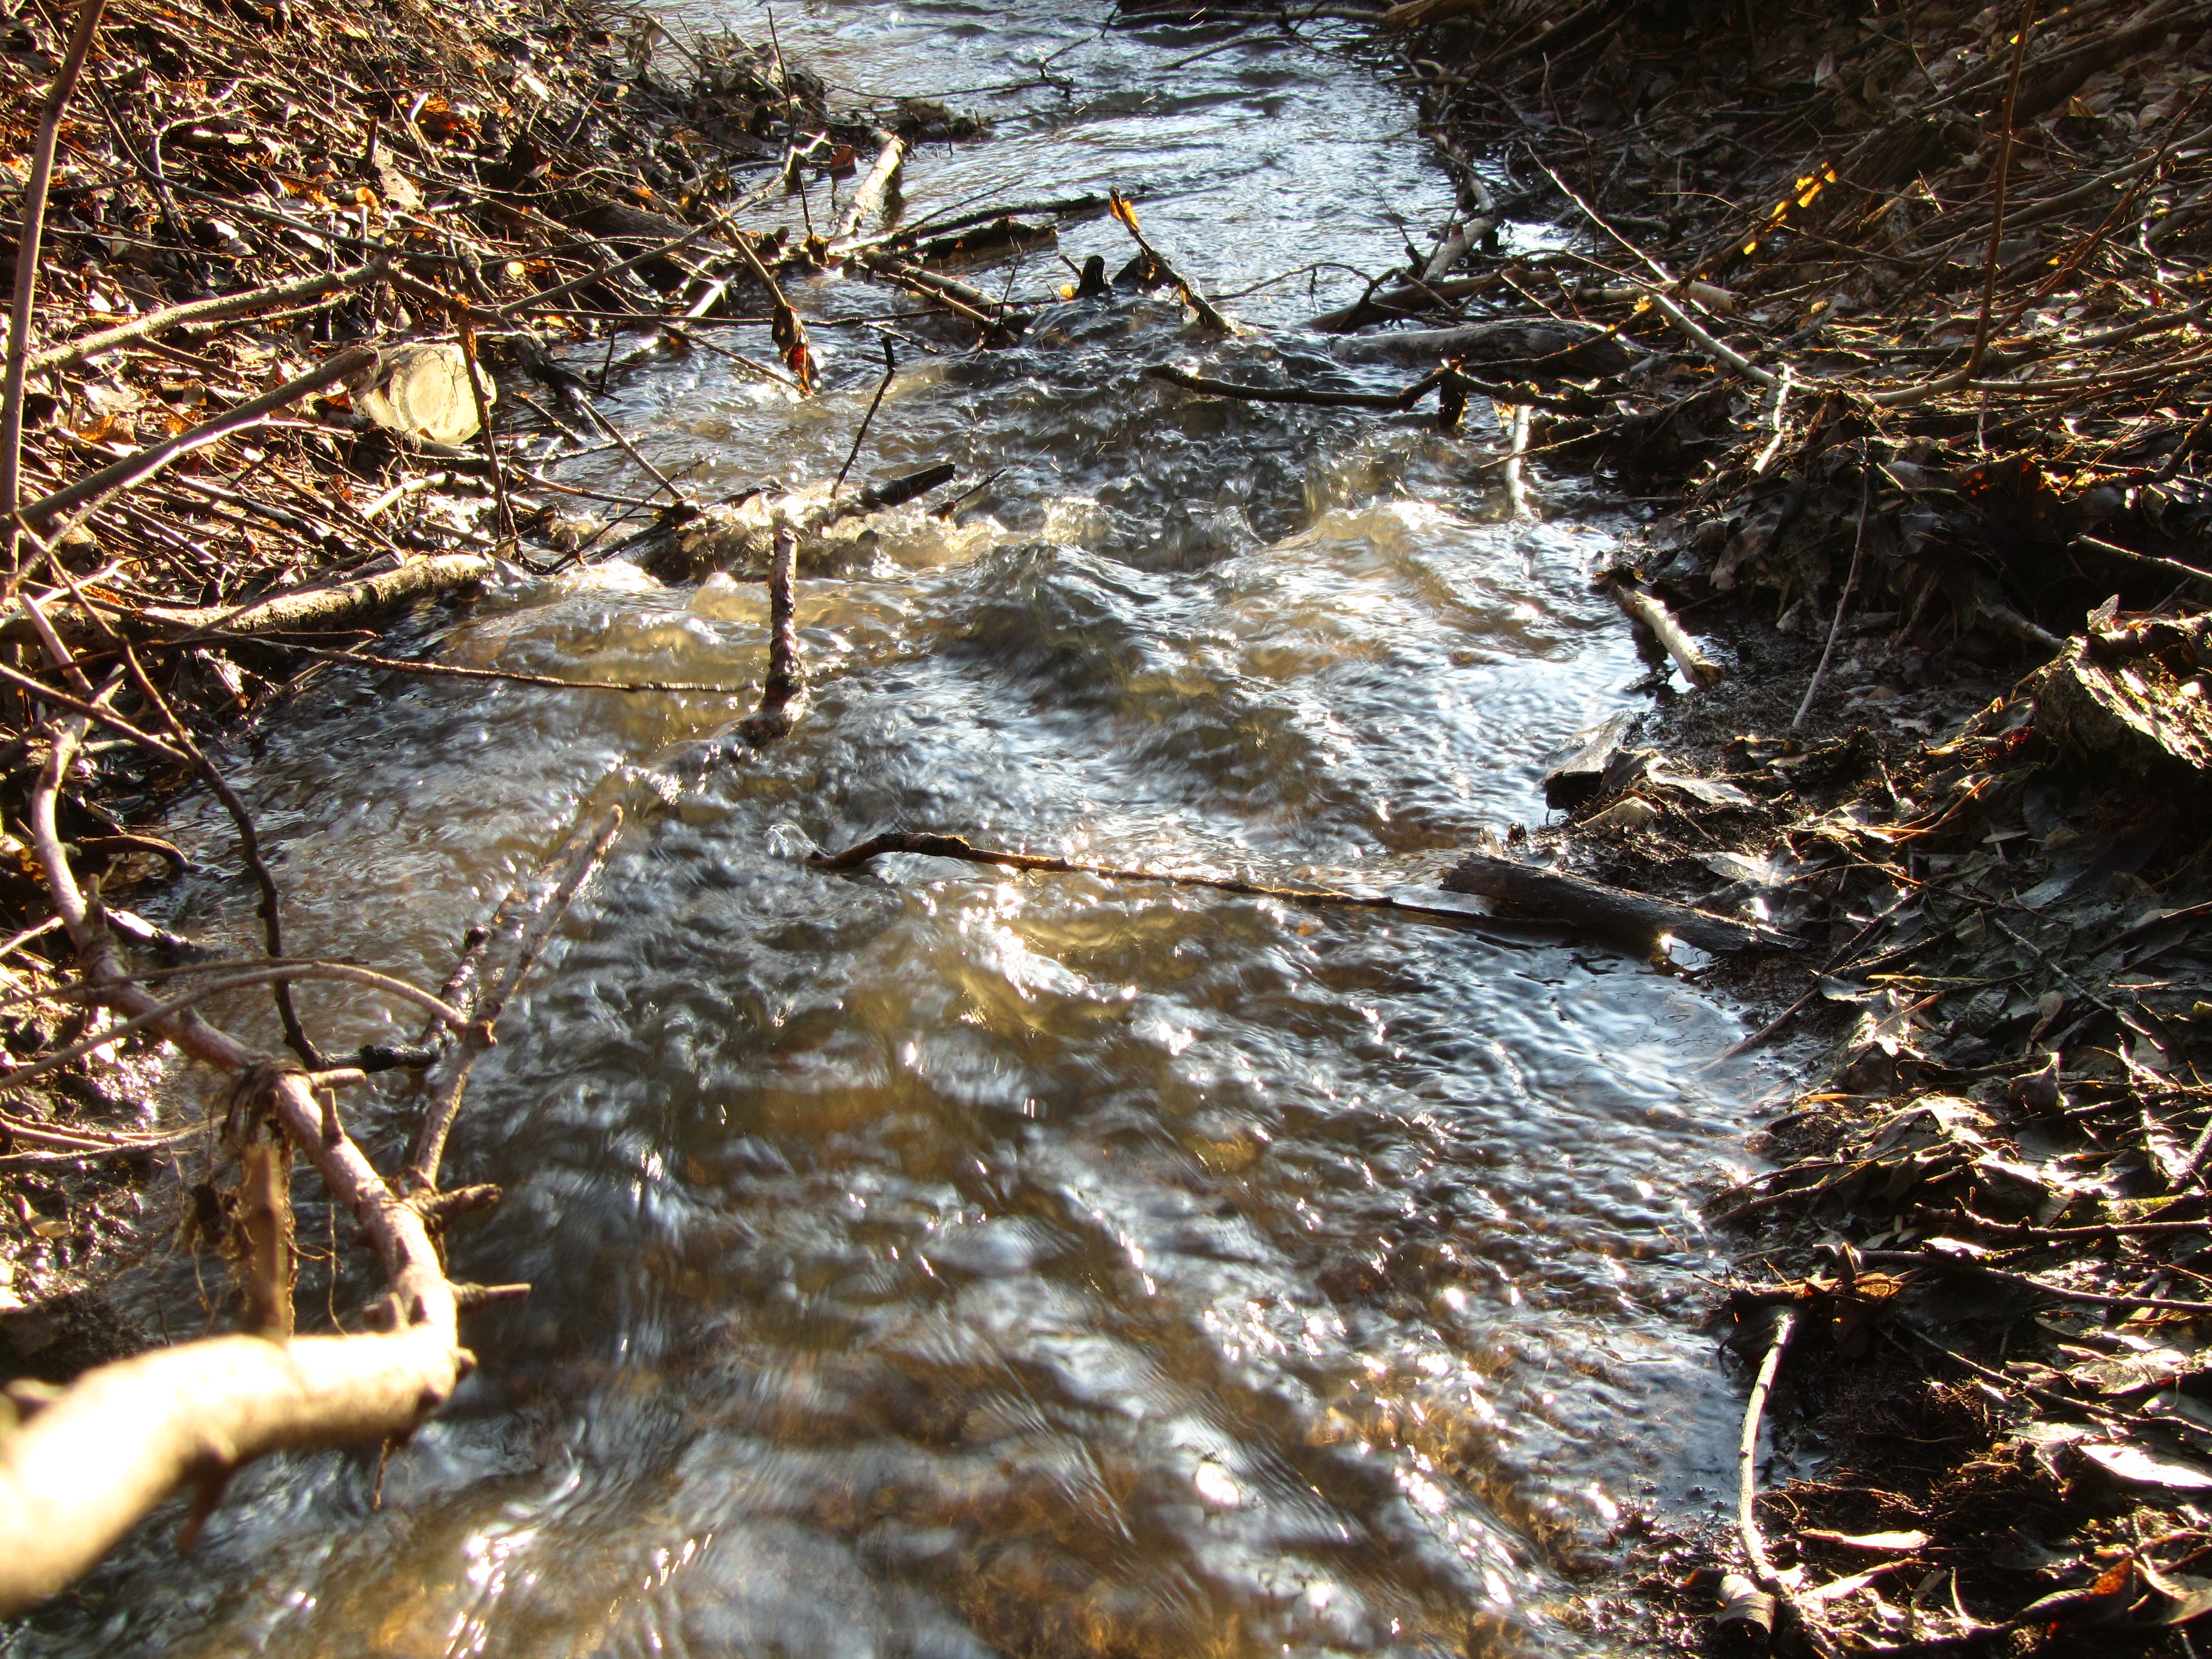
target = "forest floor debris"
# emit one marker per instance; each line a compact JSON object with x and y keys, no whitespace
{"x":286,"y":281}
{"x":1921,"y":396}
{"x":1901,"y":315}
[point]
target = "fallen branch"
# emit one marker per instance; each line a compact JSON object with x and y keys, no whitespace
{"x":788,"y":332}
{"x":78,"y":1475}
{"x":320,"y":610}
{"x":1843,"y":600}
{"x":455,"y":671}
{"x":220,"y":309}
{"x":96,"y":487}
{"x":1636,"y":920}
{"x":251,"y":974}
{"x":1746,"y":1477}
{"x":1697,"y":667}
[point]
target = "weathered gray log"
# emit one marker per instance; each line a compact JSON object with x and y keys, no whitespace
{"x":1538,"y":346}
{"x":1635,"y":919}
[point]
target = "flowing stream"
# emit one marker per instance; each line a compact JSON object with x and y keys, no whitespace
{"x":930,"y":1263}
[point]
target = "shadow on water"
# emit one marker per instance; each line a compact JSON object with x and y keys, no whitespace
{"x":934,"y":1263}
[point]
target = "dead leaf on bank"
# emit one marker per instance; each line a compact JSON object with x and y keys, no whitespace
{"x":2143,"y":1468}
{"x":1744,"y":1605}
{"x":2131,"y":1373}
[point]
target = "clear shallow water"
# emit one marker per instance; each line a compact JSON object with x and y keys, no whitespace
{"x":933,"y":1263}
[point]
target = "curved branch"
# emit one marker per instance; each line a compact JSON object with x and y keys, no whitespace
{"x":84,"y":1470}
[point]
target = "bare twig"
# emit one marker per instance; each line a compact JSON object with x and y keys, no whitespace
{"x":1843,"y":600}
{"x":583,"y":855}
{"x":890,"y":367}
{"x":31,"y":227}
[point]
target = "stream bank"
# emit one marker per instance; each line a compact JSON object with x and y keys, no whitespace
{"x":1921,"y":407}
{"x":918,"y":1260}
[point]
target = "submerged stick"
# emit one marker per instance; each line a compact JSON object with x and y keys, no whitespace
{"x":1405,"y":398}
{"x":890,"y":367}
{"x":783,"y":694}
{"x":584,"y":854}
{"x":456,"y":671}
{"x":954,"y":847}
{"x":1197,"y":301}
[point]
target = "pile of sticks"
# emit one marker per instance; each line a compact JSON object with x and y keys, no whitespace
{"x":273,"y":270}
{"x":1901,"y":286}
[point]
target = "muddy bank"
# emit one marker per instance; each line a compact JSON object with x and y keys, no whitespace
{"x":1920,"y":410}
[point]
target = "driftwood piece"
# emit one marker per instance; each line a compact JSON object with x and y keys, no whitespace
{"x":1538,"y":347}
{"x":1574,"y":771}
{"x":868,"y":200}
{"x":2131,"y":699}
{"x":1635,"y":919}
{"x":82,"y":1473}
{"x":1642,"y":607}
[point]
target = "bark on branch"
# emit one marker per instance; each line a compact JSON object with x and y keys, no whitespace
{"x":83,"y":1469}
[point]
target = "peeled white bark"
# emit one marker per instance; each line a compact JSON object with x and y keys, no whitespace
{"x":85,"y":1467}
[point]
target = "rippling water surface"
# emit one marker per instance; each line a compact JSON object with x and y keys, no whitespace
{"x":929,"y":1262}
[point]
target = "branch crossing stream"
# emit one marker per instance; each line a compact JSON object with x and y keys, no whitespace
{"x":929,"y":1261}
